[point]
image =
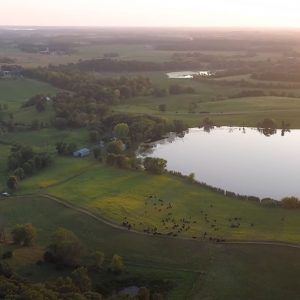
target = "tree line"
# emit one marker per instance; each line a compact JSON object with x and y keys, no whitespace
{"x":23,"y":162}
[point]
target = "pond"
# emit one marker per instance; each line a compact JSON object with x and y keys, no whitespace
{"x":240,"y":160}
{"x":187,"y":74}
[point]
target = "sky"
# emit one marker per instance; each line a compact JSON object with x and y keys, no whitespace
{"x":151,"y":13}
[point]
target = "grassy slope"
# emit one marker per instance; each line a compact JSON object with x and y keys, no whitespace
{"x":227,"y":271}
{"x":116,"y":194}
{"x":242,"y":111}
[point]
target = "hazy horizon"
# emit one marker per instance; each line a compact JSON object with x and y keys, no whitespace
{"x":142,"y":13}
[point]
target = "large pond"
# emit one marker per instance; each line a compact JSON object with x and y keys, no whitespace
{"x":241,"y":160}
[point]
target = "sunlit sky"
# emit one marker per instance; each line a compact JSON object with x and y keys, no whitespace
{"x":178,"y":13}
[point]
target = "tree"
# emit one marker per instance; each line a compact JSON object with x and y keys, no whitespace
{"x":155,"y":165}
{"x":290,"y":202}
{"x":81,"y":279}
{"x":98,"y":259}
{"x":144,"y":294}
{"x":117,"y":264}
{"x":97,"y":153}
{"x":5,"y":269}
{"x":19,"y":173}
{"x":12,"y":182}
{"x":65,"y":248}
{"x":157,"y":296}
{"x":28,"y":167}
{"x":179,"y":126}
{"x":35,"y":124}
{"x":115,"y":147}
{"x":24,"y":235}
{"x":162,"y":107}
{"x":121,"y":131}
{"x":2,"y":231}
{"x":94,"y":136}
{"x":191,"y":177}
{"x":175,"y":89}
{"x":40,"y":104}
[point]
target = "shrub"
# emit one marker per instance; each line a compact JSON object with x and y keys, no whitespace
{"x":24,"y":235}
{"x":290,"y":202}
{"x":65,"y":249}
{"x":7,"y":255}
{"x":117,"y":264}
{"x":5,"y":269}
{"x":155,"y":165}
{"x":269,"y":202}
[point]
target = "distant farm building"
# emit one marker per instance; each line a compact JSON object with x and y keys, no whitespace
{"x":82,"y":152}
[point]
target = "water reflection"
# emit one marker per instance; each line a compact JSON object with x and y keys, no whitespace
{"x":263,"y":163}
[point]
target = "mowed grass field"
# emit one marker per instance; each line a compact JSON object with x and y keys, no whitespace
{"x":198,"y":270}
{"x":146,"y":201}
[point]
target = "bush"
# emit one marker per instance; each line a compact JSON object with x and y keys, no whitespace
{"x":117,"y":264}
{"x":24,"y":235}
{"x":81,"y":279}
{"x":115,"y":147}
{"x":269,"y":202}
{"x":7,"y":255}
{"x":98,"y":259}
{"x":290,"y":202}
{"x":5,"y":269}
{"x":65,"y":249}
{"x":155,"y":165}
{"x":12,"y":182}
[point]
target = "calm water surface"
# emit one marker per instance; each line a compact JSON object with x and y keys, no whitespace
{"x":243,"y":161}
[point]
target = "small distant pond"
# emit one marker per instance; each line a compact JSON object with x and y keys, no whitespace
{"x":241,"y":160}
{"x":187,"y":74}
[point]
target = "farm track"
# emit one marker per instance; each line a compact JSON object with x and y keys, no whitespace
{"x":120,"y":227}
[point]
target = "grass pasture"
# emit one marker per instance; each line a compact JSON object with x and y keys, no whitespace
{"x":237,"y":112}
{"x":47,"y":138}
{"x":14,"y":92}
{"x":121,"y":195}
{"x":198,"y":270}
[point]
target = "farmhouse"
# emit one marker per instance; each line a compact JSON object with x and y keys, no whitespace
{"x":82,"y":152}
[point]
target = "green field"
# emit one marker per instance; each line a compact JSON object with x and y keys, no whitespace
{"x":233,"y":112}
{"x":47,"y":138}
{"x":14,"y":92}
{"x":198,"y":270}
{"x":117,"y":194}
{"x":96,"y":199}
{"x":126,"y":52}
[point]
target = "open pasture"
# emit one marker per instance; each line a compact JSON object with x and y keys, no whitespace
{"x":163,"y":204}
{"x":198,"y":270}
